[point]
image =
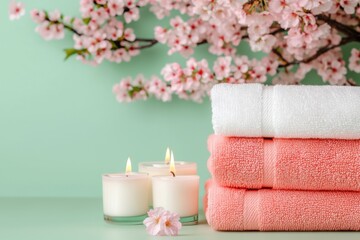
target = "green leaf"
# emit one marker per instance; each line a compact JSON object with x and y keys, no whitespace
{"x":69,"y":52}
{"x":86,"y":20}
{"x":72,"y":51}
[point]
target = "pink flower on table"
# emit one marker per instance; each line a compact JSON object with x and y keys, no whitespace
{"x":16,"y":10}
{"x":155,"y":222}
{"x":354,"y":60}
{"x":161,"y":222}
{"x":172,"y":224}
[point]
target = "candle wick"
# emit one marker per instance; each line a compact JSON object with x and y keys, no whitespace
{"x":172,"y":173}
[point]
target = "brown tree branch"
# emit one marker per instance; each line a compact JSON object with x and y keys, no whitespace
{"x":345,"y":29}
{"x":151,"y":43}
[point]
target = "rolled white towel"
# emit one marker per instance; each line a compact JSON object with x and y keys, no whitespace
{"x":255,"y":110}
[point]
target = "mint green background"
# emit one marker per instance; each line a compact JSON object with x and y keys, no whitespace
{"x":60,"y":125}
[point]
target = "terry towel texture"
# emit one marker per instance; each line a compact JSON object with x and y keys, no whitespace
{"x":306,"y":164}
{"x":254,"y":110}
{"x":281,"y":210}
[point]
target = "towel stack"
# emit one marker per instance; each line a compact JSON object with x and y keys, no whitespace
{"x":284,"y":158}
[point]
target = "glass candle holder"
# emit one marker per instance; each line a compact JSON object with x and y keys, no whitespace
{"x":162,"y":168}
{"x":125,"y":197}
{"x":178,"y":194}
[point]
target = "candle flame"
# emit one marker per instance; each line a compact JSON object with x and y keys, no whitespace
{"x":167,"y":156}
{"x":128,"y":166}
{"x":172,"y":164}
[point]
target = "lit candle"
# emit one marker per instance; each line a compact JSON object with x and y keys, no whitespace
{"x":125,"y":196}
{"x":162,"y":168}
{"x":178,"y":194}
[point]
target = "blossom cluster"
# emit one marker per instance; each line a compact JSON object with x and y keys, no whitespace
{"x":98,"y":34}
{"x":194,"y":81}
{"x":162,"y":223}
{"x":296,"y":36}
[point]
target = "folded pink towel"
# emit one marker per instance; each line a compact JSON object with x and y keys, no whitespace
{"x":230,"y":209}
{"x":304,"y":164}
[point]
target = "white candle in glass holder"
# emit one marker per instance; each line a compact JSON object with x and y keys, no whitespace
{"x":162,"y":168}
{"x":125,"y":194}
{"x":179,"y":194}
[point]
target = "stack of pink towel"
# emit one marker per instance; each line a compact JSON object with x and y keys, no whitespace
{"x":304,"y":176}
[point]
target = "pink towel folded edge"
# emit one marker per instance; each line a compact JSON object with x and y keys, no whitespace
{"x":302,"y":164}
{"x":229,"y":209}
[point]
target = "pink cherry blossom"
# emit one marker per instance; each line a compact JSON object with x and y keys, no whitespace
{"x":354,"y":60}
{"x":38,"y":16}
{"x":161,"y":34}
{"x":159,"y":88}
{"x":222,"y":67}
{"x":16,"y":10}
{"x":161,"y":222}
{"x":349,"y":5}
{"x":129,"y":34}
{"x":116,"y":7}
{"x":132,"y":15}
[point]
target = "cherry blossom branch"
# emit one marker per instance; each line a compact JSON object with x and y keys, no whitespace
{"x":352,"y":36}
{"x":301,"y":33}
{"x":341,"y":27}
{"x":320,"y":52}
{"x":151,"y":42}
